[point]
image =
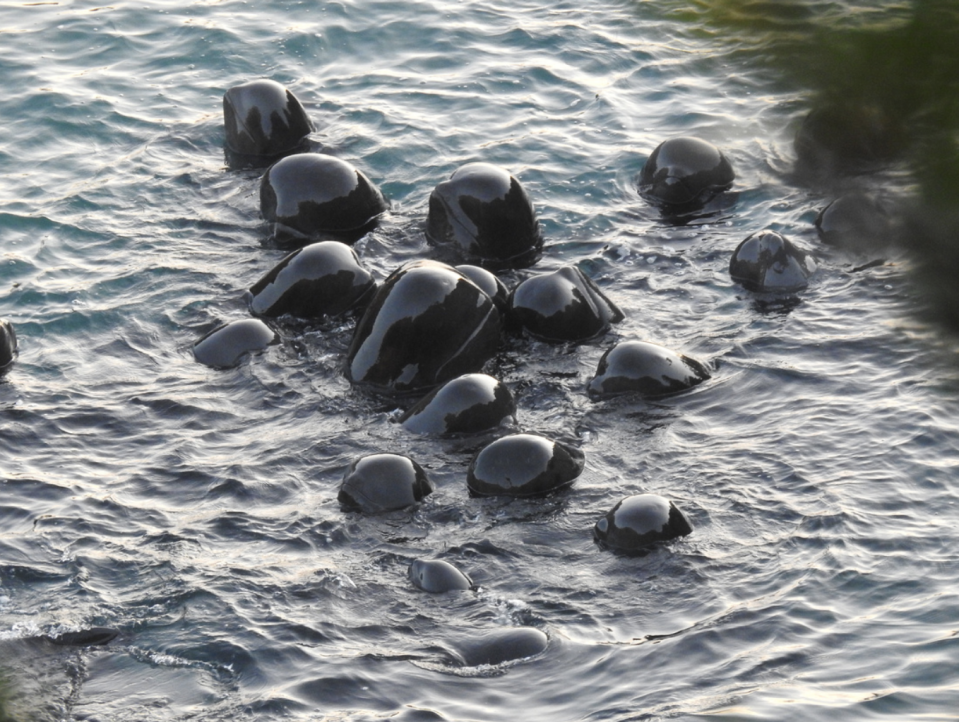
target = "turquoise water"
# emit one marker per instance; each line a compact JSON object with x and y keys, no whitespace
{"x":195,"y":510}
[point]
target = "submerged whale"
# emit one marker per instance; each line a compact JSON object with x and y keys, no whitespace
{"x":263,"y":120}
{"x":856,"y":223}
{"x":436,"y":576}
{"x":501,"y":646}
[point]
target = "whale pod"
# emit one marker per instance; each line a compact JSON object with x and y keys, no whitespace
{"x":8,"y":345}
{"x":262,"y":118}
{"x":383,"y":482}
{"x":854,"y":222}
{"x":309,"y":195}
{"x":322,"y":279}
{"x":466,"y":405}
{"x":223,"y":347}
{"x":485,"y":214}
{"x":646,"y":369}
{"x":768,"y":262}
{"x":562,"y":306}
{"x":640,"y":521}
{"x":684,"y":172}
{"x":502,"y":645}
{"x":437,"y":576}
{"x":427,"y":324}
{"x":523,"y":465}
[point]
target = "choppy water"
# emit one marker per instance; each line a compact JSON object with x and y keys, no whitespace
{"x":195,"y":510}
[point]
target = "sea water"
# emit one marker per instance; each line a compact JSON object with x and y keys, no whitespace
{"x":195,"y":511}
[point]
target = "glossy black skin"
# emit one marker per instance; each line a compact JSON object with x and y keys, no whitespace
{"x":436,"y":576}
{"x":502,"y":645}
{"x":489,"y":282}
{"x":86,"y":637}
{"x":638,"y":522}
{"x":485,"y":213}
{"x":427,"y":324}
{"x":263,"y":120}
{"x":320,"y":280}
{"x":854,"y":223}
{"x":310,"y":195}
{"x":685,"y":172}
{"x":561,"y":306}
{"x":646,"y":369}
{"x":225,"y":346}
{"x":768,"y":262}
{"x":523,"y":465}
{"x":466,"y":405}
{"x":383,"y":482}
{"x":8,"y":345}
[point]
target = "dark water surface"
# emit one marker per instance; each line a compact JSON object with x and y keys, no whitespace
{"x":195,"y":510}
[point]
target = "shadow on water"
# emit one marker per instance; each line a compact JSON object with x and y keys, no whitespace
{"x":882,"y":83}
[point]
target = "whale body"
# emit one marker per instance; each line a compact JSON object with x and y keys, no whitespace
{"x":8,"y":345}
{"x":483,"y":212}
{"x":637,"y":522}
{"x":427,"y":324}
{"x":263,"y":120}
{"x":322,"y":279}
{"x":646,"y":369}
{"x":769,"y":262}
{"x":309,"y":195}
{"x":561,"y":306}
{"x":685,"y":172}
